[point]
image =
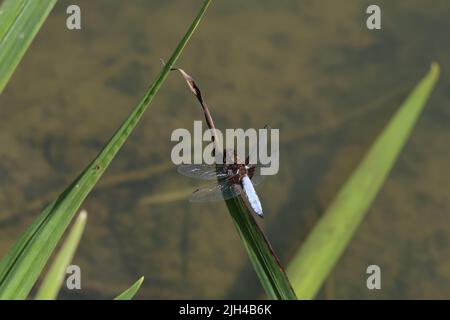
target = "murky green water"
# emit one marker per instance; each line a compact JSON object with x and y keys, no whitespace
{"x":310,"y":68}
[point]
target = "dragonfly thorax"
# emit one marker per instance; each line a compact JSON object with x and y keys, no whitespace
{"x":235,"y":172}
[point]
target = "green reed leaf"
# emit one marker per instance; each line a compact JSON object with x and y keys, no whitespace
{"x":329,"y":238}
{"x":20,"y":20}
{"x":131,"y":291}
{"x":54,"y":278}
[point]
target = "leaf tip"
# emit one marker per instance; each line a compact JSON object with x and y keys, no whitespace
{"x":82,"y":215}
{"x":435,"y":68}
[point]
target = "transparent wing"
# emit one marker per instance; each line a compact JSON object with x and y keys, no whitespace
{"x":222,"y":191}
{"x":201,"y":171}
{"x":254,"y":170}
{"x":254,"y":173}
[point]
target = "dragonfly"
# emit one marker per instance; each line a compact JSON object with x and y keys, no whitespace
{"x":232,"y":180}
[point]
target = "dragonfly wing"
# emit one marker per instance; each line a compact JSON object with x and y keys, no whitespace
{"x":217,"y":192}
{"x":254,"y":172}
{"x":201,"y":171}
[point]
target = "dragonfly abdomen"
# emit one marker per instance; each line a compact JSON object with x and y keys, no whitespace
{"x":252,"y":197}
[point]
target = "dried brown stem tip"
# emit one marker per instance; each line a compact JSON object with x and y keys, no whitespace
{"x":198,"y":94}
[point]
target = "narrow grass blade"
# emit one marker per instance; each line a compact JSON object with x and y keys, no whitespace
{"x":329,"y":238}
{"x":54,"y":278}
{"x":265,"y":262}
{"x":20,"y":20}
{"x":21,"y":266}
{"x":131,"y":291}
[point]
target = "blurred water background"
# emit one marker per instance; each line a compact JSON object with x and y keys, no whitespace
{"x":309,"y":68}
